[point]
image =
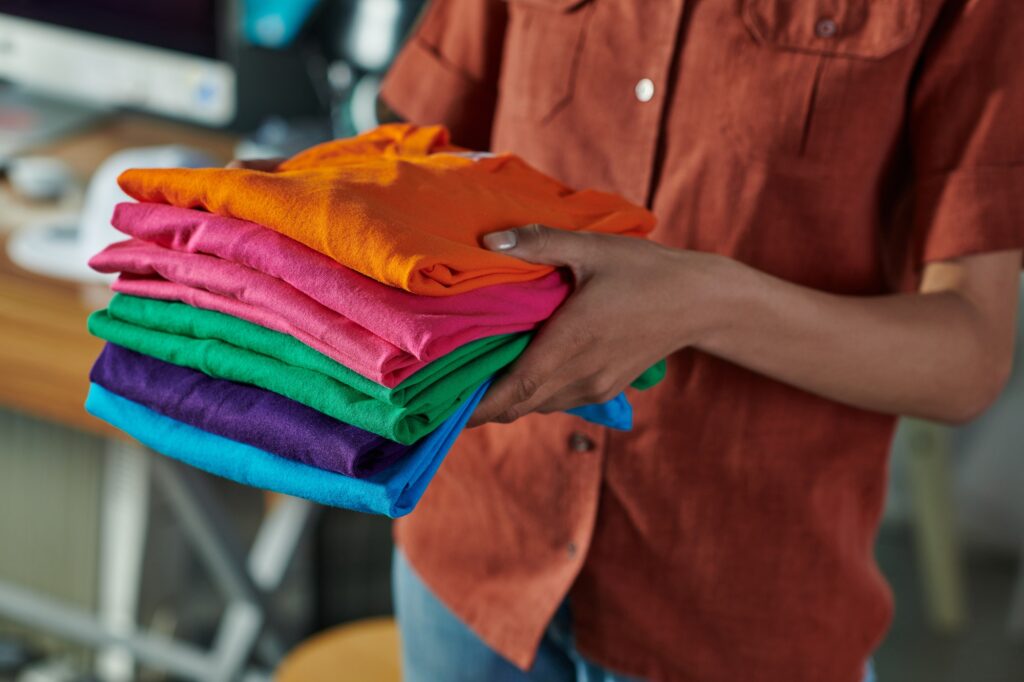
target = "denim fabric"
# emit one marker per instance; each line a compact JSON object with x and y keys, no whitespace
{"x":437,"y":647}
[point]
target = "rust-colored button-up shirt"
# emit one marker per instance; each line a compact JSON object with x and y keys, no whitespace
{"x":839,"y":144}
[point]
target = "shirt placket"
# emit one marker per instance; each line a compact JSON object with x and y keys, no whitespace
{"x":651,"y":87}
{"x":585,"y":441}
{"x":648,"y":80}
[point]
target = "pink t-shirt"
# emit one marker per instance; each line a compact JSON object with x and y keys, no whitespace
{"x":243,"y":269}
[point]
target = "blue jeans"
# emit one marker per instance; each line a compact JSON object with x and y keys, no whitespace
{"x":437,"y":647}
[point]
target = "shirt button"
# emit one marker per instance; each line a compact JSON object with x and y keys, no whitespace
{"x":644,"y":89}
{"x":826,"y":28}
{"x":579,"y":442}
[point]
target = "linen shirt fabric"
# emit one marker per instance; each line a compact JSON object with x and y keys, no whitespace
{"x":837,"y":144}
{"x":398,"y":206}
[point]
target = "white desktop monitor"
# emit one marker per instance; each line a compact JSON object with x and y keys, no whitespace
{"x":162,"y":56}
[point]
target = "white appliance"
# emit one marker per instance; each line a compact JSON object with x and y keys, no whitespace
{"x":162,"y":56}
{"x":61,"y":247}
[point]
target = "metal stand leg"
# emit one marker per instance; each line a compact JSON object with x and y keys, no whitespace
{"x":248,"y":626}
{"x":246,"y":582}
{"x":272,"y":551}
{"x":42,"y":613}
{"x":125,"y":513}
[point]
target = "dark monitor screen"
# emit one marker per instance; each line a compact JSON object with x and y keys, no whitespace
{"x":181,"y":25}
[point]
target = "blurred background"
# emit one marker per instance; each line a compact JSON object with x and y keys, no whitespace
{"x":114,"y":567}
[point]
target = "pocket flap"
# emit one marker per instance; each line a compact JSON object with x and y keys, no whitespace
{"x":869,"y":29}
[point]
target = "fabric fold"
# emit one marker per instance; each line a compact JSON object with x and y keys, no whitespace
{"x":409,"y":216}
{"x":393,"y":491}
{"x":244,"y":413}
{"x":425,"y":327}
{"x":232,"y":349}
{"x":228,"y":348}
{"x":477,"y":360}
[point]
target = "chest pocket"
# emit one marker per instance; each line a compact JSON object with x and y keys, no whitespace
{"x":866,"y":29}
{"x":818,"y":52}
{"x":542,"y":54}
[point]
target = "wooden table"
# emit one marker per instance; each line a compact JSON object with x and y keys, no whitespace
{"x":45,"y":350}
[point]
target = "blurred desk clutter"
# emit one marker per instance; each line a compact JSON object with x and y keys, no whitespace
{"x":30,"y":120}
{"x":38,"y":379}
{"x":281,"y":76}
{"x":61,"y":246}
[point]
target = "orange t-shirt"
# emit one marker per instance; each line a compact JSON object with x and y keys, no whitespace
{"x":398,"y":204}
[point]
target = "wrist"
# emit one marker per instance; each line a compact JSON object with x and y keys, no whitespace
{"x":712,"y":287}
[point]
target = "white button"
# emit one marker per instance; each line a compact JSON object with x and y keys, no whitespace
{"x":826,"y":28}
{"x":644,"y":89}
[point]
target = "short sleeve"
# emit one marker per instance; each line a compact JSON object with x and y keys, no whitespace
{"x":447,"y":72}
{"x":966,"y":131}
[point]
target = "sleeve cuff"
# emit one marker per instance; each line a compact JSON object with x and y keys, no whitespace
{"x":968,"y":211}
{"x":425,"y":89}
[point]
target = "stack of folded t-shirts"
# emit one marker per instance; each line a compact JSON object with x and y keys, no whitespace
{"x":325,"y":330}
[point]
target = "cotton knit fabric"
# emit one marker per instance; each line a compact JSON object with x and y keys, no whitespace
{"x":245,"y":413}
{"x":228,"y":348}
{"x":393,"y":491}
{"x":399,"y":204}
{"x":385,"y":333}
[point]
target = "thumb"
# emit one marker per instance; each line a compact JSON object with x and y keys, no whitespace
{"x":540,"y":244}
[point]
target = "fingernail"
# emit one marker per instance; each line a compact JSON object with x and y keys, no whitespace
{"x":501,"y":241}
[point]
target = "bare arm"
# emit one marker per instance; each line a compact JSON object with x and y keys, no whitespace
{"x":943,"y":353}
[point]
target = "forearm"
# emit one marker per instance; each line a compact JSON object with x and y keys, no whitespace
{"x":942,"y":354}
{"x":932,"y":355}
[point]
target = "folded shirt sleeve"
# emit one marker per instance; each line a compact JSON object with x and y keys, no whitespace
{"x":966,"y":131}
{"x":448,"y":70}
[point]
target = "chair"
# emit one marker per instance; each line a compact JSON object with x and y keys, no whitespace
{"x":362,"y":651}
